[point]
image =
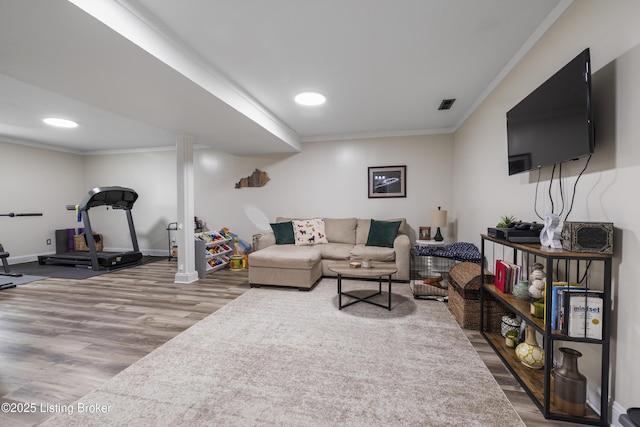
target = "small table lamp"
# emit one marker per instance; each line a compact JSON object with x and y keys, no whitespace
{"x":438,"y":219}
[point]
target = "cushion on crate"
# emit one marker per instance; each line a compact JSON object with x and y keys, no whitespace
{"x":460,"y":251}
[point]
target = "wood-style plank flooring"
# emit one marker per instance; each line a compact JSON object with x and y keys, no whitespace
{"x":520,"y":400}
{"x":61,"y":338}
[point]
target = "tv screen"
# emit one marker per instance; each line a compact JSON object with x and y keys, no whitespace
{"x":554,"y":123}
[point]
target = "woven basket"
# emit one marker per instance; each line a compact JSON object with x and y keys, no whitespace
{"x":80,"y":242}
{"x":464,"y":298}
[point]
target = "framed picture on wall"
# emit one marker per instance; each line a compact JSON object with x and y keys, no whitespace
{"x":424,"y":233}
{"x":387,"y":181}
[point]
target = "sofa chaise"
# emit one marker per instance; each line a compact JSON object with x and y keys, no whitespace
{"x":298,"y":252}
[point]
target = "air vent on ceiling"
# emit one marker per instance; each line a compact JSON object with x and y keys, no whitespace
{"x":446,"y":104}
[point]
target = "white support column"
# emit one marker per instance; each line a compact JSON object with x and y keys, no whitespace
{"x":186,"y":252}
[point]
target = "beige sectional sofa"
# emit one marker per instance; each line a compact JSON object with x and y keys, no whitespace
{"x":304,"y":261}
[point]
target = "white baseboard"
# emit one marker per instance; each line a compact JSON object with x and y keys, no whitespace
{"x":593,"y":397}
{"x":25,"y":258}
{"x":617,"y":410}
{"x":186,"y":277}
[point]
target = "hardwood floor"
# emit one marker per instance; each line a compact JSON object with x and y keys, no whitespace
{"x":520,"y":400}
{"x":61,"y":338}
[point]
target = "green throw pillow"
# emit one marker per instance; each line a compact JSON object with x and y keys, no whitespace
{"x":283,"y":232}
{"x":382,"y":233}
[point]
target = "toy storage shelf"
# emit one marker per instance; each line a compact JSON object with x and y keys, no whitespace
{"x":213,"y":251}
{"x":539,"y":384}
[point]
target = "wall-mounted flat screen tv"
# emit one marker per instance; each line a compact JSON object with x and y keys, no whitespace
{"x":554,"y":123}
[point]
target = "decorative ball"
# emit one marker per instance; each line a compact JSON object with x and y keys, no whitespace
{"x":536,"y":290}
{"x":537,"y":272}
{"x":531,"y":356}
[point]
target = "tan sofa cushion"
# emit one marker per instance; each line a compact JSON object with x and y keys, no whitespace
{"x":335,"y":251}
{"x":284,"y":219}
{"x":374,"y":253}
{"x":340,"y":230}
{"x":285,"y":256}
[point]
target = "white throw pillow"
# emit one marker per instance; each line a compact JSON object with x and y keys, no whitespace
{"x":309,"y":231}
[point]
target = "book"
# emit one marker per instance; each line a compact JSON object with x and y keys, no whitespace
{"x":583,"y":311}
{"x":556,"y":301}
{"x":500,"y":276}
{"x":507,"y":274}
{"x":561,"y":307}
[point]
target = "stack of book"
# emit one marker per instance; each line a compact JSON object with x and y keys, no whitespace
{"x":577,"y":311}
{"x":507,"y":274}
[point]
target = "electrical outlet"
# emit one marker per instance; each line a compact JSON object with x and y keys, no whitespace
{"x":48,"y":241}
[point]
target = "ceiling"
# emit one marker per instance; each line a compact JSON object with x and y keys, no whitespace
{"x":136,"y":73}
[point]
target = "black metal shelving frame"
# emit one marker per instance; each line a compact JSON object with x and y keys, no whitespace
{"x":552,"y":256}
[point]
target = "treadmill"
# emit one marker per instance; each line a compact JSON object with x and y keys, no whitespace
{"x":116,"y":198}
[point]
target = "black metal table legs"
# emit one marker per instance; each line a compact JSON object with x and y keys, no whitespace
{"x":365,"y":298}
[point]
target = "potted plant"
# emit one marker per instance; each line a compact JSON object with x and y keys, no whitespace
{"x":511,"y":338}
{"x":506,"y":220}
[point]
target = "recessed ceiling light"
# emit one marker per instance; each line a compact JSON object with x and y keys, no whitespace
{"x":310,"y":98}
{"x":61,"y":123}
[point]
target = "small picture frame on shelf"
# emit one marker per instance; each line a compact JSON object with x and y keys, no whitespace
{"x":424,"y":233}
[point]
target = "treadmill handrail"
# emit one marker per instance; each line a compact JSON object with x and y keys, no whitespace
{"x":116,"y":197}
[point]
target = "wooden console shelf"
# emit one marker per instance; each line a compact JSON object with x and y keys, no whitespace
{"x":539,"y":384}
{"x":533,"y":379}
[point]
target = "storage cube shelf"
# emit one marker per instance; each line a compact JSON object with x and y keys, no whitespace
{"x":213,"y":251}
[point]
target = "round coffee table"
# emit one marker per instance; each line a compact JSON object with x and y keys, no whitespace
{"x":377,"y":270}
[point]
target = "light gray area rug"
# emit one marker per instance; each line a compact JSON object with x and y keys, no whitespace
{"x":277,"y":357}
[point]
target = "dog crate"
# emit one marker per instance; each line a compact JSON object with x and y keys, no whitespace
{"x":429,"y":276}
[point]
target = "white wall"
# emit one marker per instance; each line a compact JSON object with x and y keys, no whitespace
{"x":153,"y":176}
{"x":38,"y":181}
{"x":483,"y":191}
{"x":326,"y":179}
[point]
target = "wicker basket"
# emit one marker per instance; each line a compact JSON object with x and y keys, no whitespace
{"x":464,"y":298}
{"x":80,"y":242}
